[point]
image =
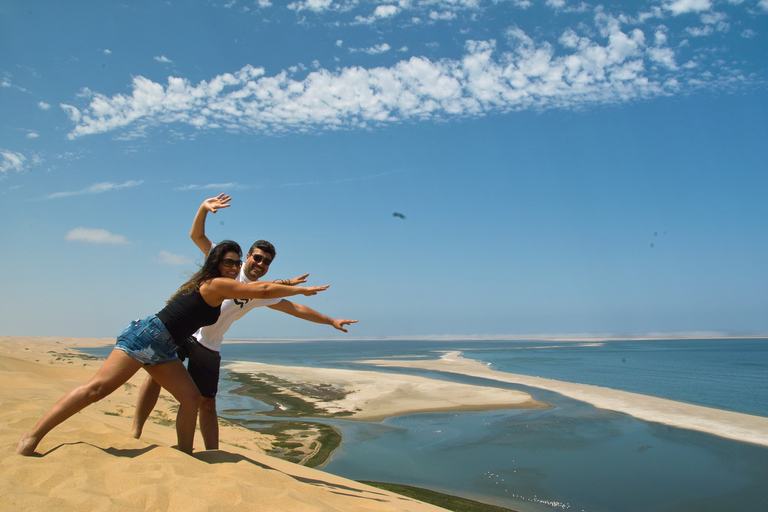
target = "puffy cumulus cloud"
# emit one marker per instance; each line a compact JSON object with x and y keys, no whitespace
{"x":43,"y":105}
{"x":614,"y":65}
{"x":97,"y":188}
{"x":11,"y":161}
{"x":163,"y":59}
{"x":168,"y":258}
{"x":677,"y":7}
{"x":379,"y":13}
{"x":95,"y":236}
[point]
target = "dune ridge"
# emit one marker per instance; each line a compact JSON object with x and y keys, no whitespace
{"x":90,"y":462}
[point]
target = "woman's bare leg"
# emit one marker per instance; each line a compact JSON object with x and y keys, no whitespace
{"x":145,"y":403}
{"x":175,"y":378}
{"x":116,"y":370}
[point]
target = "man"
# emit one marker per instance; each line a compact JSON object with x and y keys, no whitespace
{"x":203,"y":348}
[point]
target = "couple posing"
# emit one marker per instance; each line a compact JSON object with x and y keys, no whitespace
{"x":191,"y":325}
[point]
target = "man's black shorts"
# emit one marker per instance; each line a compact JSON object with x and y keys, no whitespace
{"x":203,"y":366}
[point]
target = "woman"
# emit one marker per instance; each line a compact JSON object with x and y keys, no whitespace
{"x":149,"y":343}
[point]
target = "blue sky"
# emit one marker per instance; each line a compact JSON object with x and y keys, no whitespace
{"x":563,"y":167}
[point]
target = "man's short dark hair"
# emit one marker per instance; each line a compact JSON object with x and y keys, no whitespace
{"x":264,"y":246}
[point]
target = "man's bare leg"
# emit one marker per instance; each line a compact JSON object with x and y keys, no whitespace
{"x":148,"y":395}
{"x":209,"y":423}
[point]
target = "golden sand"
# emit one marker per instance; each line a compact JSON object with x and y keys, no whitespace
{"x":90,"y":462}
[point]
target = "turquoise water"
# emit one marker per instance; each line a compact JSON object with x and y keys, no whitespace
{"x":570,"y":457}
{"x":730,"y":374}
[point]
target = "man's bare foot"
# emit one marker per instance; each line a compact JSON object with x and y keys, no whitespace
{"x":136,"y":433}
{"x":176,"y":447}
{"x":27,"y":445}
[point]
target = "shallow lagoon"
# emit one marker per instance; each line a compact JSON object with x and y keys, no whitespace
{"x":572,"y":457}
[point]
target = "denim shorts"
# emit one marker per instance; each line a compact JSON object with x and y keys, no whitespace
{"x":148,"y":341}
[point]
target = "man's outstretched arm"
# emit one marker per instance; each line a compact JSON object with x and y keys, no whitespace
{"x":309,"y":314}
{"x":197,"y":234}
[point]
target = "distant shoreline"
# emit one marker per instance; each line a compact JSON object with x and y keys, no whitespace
{"x":545,"y":338}
{"x":99,"y":341}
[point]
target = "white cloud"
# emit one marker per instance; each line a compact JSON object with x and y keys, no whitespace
{"x":107,"y":52}
{"x":664,"y":56}
{"x":174,"y":259}
{"x":699,"y":31}
{"x":11,"y":161}
{"x":6,"y":82}
{"x":686,"y":6}
{"x":381,"y":12}
{"x":32,"y":135}
{"x":215,"y":186}
{"x":163,"y":59}
{"x":312,"y":5}
{"x":385,"y":11}
{"x":442,"y":16}
{"x":96,"y":188}
{"x":373,"y":50}
{"x":763,"y":4}
{"x":95,"y":236}
{"x":612,"y":64}
{"x":43,"y":105}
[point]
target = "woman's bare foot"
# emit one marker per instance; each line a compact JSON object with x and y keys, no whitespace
{"x":27,"y":445}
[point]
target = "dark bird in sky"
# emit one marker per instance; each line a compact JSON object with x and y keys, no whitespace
{"x":398,"y":215}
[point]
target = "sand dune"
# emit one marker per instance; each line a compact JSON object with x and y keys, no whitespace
{"x":91,"y":463}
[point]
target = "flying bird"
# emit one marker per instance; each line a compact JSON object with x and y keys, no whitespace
{"x":398,"y":215}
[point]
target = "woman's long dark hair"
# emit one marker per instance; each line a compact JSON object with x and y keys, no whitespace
{"x":210,"y":268}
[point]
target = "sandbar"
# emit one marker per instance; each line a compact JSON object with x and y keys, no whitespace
{"x":732,"y":425}
{"x":374,"y":396}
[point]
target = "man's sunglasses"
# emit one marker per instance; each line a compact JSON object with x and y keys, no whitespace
{"x":229,"y":263}
{"x":258,"y":258}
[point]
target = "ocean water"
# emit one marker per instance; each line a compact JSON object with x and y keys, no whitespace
{"x":730,"y":374}
{"x":570,"y":457}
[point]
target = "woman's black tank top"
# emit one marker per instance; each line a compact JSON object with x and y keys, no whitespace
{"x":186,"y":313}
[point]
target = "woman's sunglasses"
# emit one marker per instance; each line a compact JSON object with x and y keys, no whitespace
{"x":229,"y":263}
